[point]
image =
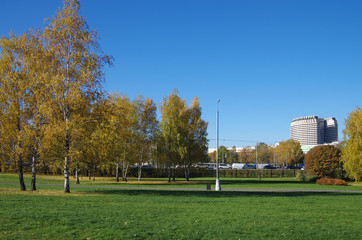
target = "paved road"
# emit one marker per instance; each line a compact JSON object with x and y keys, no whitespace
{"x":202,"y":189}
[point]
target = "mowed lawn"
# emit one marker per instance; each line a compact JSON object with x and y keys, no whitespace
{"x":103,"y":213}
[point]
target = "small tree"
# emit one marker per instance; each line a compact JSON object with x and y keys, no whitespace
{"x":223,"y":154}
{"x":322,"y":161}
{"x":290,"y":150}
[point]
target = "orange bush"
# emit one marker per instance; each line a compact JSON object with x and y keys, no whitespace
{"x":331,"y":181}
{"x":322,"y":161}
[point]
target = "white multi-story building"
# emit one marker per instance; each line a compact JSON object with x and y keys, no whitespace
{"x":313,"y":130}
{"x":330,"y":130}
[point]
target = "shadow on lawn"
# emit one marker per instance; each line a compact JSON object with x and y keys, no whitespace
{"x":262,"y":181}
{"x":203,"y":182}
{"x":214,"y":194}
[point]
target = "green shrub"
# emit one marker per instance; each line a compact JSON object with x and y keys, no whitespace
{"x":301,"y":176}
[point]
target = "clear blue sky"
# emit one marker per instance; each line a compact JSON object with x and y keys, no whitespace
{"x":268,"y":61}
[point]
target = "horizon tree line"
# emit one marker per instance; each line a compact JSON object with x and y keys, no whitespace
{"x":287,"y":152}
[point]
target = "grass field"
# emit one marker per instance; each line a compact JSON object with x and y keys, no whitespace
{"x":96,"y":212}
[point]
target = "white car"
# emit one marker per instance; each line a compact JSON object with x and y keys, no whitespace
{"x":224,"y":166}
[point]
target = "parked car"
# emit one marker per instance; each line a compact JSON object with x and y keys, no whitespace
{"x":292,"y":167}
{"x":248,"y":166}
{"x":237,"y":165}
{"x":224,"y":166}
{"x":269,"y":167}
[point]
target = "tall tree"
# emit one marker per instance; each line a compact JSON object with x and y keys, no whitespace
{"x":77,"y":64}
{"x":16,"y":94}
{"x":183,"y":133}
{"x":117,"y":133}
{"x":352,"y":151}
{"x":37,"y":80}
{"x":173,"y":132}
{"x":196,"y":140}
{"x":146,"y":131}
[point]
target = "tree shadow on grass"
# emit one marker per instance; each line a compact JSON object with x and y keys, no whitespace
{"x":162,"y":182}
{"x":203,"y":182}
{"x":262,"y":181}
{"x":215,"y":194}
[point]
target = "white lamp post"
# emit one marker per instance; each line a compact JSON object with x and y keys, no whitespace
{"x":217,"y":185}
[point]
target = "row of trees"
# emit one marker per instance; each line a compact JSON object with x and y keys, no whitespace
{"x":286,"y":153}
{"x":54,"y":111}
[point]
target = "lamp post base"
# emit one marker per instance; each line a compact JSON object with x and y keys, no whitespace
{"x":217,"y":185}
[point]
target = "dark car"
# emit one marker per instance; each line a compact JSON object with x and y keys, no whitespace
{"x":269,"y":167}
{"x":249,"y":167}
{"x":292,"y":167}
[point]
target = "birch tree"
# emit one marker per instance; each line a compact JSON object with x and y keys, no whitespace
{"x":14,"y":108}
{"x":352,"y":152}
{"x":196,"y":141}
{"x":38,"y":96}
{"x":146,"y":132}
{"x":173,"y":133}
{"x":114,"y":135}
{"x":20,"y":82}
{"x":183,"y":133}
{"x":76,"y":76}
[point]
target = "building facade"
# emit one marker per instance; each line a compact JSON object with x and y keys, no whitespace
{"x":313,"y":130}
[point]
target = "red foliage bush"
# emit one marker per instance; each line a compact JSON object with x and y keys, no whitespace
{"x":322,"y":161}
{"x":331,"y":181}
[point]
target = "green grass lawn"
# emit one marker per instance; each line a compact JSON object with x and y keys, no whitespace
{"x":226,"y":183}
{"x":102,"y":213}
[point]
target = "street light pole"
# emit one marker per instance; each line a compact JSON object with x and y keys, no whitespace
{"x":256,"y":155}
{"x":275,"y":143}
{"x":217,"y":185}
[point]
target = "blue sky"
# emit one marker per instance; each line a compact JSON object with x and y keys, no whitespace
{"x":268,"y":61}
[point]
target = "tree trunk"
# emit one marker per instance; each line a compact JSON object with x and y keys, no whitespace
{"x":21,"y":174}
{"x":187,"y":172}
{"x":76,"y":174}
{"x":140,"y":167}
{"x":139,"y":171}
{"x":45,"y":169}
{"x":124,"y":172}
{"x":117,"y":170}
{"x":66,"y":160}
{"x":94,"y":172}
{"x":33,"y":174}
{"x":169,"y":174}
{"x":66,"y":175}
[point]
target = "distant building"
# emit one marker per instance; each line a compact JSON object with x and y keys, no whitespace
{"x":314,"y":131}
{"x":238,"y":149}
